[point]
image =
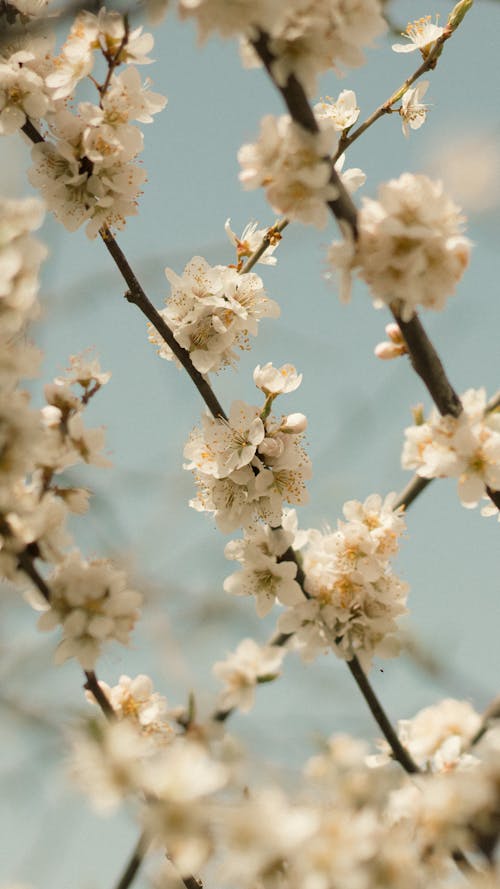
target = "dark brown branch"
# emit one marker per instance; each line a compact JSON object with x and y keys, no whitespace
{"x":427,"y":364}
{"x":134,"y":863}
{"x":398,"y":751}
{"x":92,"y":685}
{"x":137,"y":296}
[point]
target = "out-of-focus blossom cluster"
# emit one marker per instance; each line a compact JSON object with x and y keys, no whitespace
{"x":246,"y":467}
{"x":85,"y":166}
{"x":211,"y":312}
{"x":294,"y":167}
{"x":349,"y":825}
{"x":466,"y":447}
{"x":243,"y":669}
{"x":91,"y":601}
{"x":438,"y":737}
{"x":410,"y":251}
{"x":305,"y":37}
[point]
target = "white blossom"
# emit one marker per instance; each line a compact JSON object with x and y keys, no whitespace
{"x":263,"y":574}
{"x":422,"y":35}
{"x":412,"y":111}
{"x":134,"y":700}
{"x":250,"y":241}
{"x":243,"y":669}
{"x":354,"y":599}
{"x":245,"y":468}
{"x":343,"y":111}
{"x":314,"y":36}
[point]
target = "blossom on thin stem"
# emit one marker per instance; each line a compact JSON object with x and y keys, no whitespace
{"x":93,"y":605}
{"x":250,"y":241}
{"x":412,"y":111}
{"x":343,"y":112}
{"x":422,"y":35}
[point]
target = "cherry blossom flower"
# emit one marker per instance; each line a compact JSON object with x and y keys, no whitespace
{"x":422,"y":35}
{"x":343,"y":111}
{"x":438,"y":737}
{"x":412,"y":112}
{"x":276,"y":381}
{"x":354,"y":599}
{"x":250,"y":241}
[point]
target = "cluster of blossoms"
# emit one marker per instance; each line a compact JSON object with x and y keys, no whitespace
{"x":466,"y":447}
{"x":294,"y":167}
{"x":353,"y":598}
{"x":92,"y":603}
{"x":84,"y":165}
{"x":349,"y":600}
{"x":211,"y":311}
{"x":247,"y":466}
{"x":410,"y":251}
{"x":305,"y":37}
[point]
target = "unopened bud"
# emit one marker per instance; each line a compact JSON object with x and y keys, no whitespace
{"x":458,"y":12}
{"x":387,"y":351}
{"x":295,"y":423}
{"x":393,"y":332}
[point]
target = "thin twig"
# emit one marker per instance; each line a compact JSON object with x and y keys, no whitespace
{"x":428,"y":64}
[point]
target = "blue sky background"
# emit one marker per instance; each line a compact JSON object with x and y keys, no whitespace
{"x":357,"y":408}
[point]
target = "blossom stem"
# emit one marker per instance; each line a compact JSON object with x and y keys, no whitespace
{"x":428,"y":365}
{"x":424,"y":358}
{"x":252,"y":260}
